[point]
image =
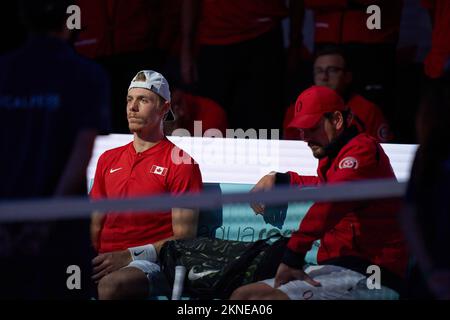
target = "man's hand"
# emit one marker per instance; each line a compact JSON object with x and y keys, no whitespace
{"x":108,"y":262}
{"x":266,"y":183}
{"x":286,"y":274}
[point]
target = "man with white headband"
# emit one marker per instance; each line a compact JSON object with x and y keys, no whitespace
{"x":128,"y":243}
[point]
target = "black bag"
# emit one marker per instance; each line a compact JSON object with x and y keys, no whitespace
{"x":215,"y":267}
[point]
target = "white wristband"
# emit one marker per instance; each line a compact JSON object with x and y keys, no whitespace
{"x":147,"y":252}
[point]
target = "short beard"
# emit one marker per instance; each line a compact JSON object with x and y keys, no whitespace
{"x":133,"y":130}
{"x":321,"y":153}
{"x":325,"y":150}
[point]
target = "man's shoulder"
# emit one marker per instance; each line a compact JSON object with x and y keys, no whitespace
{"x":90,"y":70}
{"x":113,"y":153}
{"x":357,"y":102}
{"x":179,"y":160}
{"x":172,"y":148}
{"x":362,"y":140}
{"x":362,"y":144}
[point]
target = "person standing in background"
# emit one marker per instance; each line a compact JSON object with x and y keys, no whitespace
{"x":53,"y":103}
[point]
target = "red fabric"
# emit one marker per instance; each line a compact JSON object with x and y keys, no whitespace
{"x":123,"y":173}
{"x":367,"y":112}
{"x":364,"y":229}
{"x":313,"y":103}
{"x":117,"y":26}
{"x":225,"y":22}
{"x":337,"y":21}
{"x":290,"y":133}
{"x":206,"y":110}
{"x":371,"y":116}
{"x":440,"y":42}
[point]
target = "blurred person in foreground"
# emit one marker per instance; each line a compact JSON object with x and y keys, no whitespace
{"x":426,"y":218}
{"x":53,"y":103}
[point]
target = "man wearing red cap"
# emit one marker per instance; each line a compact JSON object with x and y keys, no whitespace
{"x":332,"y":70}
{"x":353,"y":235}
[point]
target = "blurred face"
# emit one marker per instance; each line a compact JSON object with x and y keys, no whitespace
{"x":145,"y":111}
{"x":329,"y":71}
{"x":322,"y":134}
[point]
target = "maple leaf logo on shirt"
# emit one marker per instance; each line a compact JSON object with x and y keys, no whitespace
{"x":158,"y":170}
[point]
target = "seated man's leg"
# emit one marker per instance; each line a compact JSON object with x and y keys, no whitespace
{"x":138,"y":280}
{"x":258,"y":291}
{"x":337,"y":283}
{"x":126,"y":283}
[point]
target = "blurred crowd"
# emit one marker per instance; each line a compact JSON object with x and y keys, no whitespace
{"x":242,"y":64}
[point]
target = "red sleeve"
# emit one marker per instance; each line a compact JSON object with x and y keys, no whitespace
{"x":303,"y":181}
{"x":440,"y":44}
{"x":320,"y":218}
{"x":378,"y":127}
{"x":358,"y":162}
{"x":185,"y":178}
{"x":98,"y":190}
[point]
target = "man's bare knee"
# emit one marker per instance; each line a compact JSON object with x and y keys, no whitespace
{"x":127,"y":283}
{"x":109,"y":287}
{"x":254,"y":291}
{"x":240,"y":293}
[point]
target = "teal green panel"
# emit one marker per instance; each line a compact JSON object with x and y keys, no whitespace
{"x":239,"y":222}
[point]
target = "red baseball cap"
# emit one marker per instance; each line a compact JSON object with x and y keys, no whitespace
{"x":312,"y":104}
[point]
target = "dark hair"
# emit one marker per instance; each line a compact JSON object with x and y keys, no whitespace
{"x":44,"y":16}
{"x":331,"y":49}
{"x":345,"y":114}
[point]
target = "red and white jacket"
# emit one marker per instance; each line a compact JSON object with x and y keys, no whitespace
{"x":365,"y":232}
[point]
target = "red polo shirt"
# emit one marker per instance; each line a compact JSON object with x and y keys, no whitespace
{"x":125,"y":173}
{"x":110,"y":27}
{"x":224,"y":22}
{"x":342,"y":21}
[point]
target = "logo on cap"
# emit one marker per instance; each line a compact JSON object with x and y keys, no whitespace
{"x":348,"y":163}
